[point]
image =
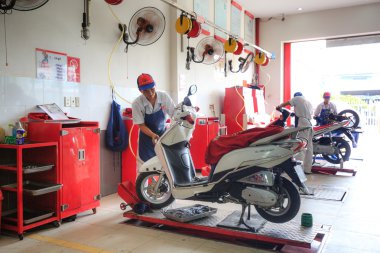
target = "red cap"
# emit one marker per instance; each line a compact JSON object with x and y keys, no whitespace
{"x":145,"y":81}
{"x":326,"y":95}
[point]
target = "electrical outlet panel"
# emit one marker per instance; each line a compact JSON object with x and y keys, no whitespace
{"x":77,"y":102}
{"x":67,"y":101}
{"x":72,"y":101}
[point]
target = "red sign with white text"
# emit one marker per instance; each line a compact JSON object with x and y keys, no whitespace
{"x":73,"y":69}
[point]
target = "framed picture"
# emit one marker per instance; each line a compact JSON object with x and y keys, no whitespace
{"x":202,"y":8}
{"x":221,"y":18}
{"x":249,"y":27}
{"x":236,"y":10}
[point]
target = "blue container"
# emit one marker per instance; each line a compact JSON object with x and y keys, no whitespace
{"x":356,"y":136}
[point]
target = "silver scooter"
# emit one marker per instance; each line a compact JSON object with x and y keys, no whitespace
{"x":252,"y":175}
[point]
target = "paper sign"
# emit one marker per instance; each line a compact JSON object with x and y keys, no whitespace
{"x":51,"y":65}
{"x":73,"y":69}
{"x":54,"y":111}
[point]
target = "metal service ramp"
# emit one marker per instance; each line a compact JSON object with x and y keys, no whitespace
{"x":286,"y":237}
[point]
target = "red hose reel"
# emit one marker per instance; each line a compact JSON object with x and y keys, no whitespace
{"x":114,"y":2}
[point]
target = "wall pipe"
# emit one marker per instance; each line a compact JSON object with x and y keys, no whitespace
{"x":212,"y":24}
{"x":257,"y":42}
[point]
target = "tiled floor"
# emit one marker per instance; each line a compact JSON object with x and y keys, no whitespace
{"x":356,"y":223}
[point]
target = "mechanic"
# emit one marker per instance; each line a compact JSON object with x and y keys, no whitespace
{"x":303,"y":111}
{"x":324,"y":109}
{"x":150,"y":111}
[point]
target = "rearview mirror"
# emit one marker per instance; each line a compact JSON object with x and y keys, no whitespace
{"x":192,"y":90}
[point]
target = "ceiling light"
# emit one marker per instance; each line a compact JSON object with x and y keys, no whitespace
{"x":299,"y":9}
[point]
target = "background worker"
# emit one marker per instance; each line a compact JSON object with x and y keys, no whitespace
{"x":303,"y":111}
{"x":150,"y":111}
{"x":324,"y":109}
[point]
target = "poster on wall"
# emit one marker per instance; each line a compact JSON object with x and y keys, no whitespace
{"x":249,"y":26}
{"x":221,"y":18}
{"x":73,"y":69}
{"x":51,"y":65}
{"x":236,"y":10}
{"x":202,"y":8}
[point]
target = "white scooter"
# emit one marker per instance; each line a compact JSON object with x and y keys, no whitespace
{"x":248,"y":176}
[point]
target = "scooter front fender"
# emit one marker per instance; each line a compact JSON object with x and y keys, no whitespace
{"x":290,"y":169}
{"x":151,"y":165}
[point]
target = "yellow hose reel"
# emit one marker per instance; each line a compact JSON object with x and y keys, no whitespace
{"x":260,"y":58}
{"x":183,"y":24}
{"x":230,"y":45}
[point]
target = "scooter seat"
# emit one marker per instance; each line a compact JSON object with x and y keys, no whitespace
{"x":318,"y":128}
{"x":226,"y":143}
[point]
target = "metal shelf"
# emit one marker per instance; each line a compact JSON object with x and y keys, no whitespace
{"x":28,"y":168}
{"x":9,"y":168}
{"x":30,"y":216}
{"x":34,"y":188}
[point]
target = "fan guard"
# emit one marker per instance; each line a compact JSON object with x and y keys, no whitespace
{"x":29,"y":5}
{"x":209,"y":50}
{"x":148,"y":25}
{"x":247,"y":62}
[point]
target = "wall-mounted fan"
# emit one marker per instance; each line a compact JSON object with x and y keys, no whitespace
{"x":29,"y":5}
{"x":243,"y":65}
{"x":21,"y":5}
{"x":145,"y":27}
{"x":208,"y":51}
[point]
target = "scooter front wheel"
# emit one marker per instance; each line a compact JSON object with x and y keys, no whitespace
{"x":288,"y":205}
{"x":156,"y":196}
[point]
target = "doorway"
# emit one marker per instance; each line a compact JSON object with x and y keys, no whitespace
{"x":346,"y":67}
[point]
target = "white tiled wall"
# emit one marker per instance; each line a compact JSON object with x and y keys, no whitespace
{"x":19,"y":96}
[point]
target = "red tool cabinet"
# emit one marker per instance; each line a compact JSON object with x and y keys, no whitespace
{"x":206,"y":129}
{"x":238,"y":103}
{"x":79,"y":162}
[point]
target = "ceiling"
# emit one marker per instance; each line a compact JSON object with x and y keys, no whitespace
{"x":273,"y":8}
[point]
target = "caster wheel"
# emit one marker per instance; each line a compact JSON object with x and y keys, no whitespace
{"x":57,"y":224}
{"x":123,"y":206}
{"x":21,"y":237}
{"x":94,"y":210}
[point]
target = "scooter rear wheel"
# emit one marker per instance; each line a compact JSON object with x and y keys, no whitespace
{"x":283,"y":213}
{"x":145,"y":184}
{"x":344,"y":152}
